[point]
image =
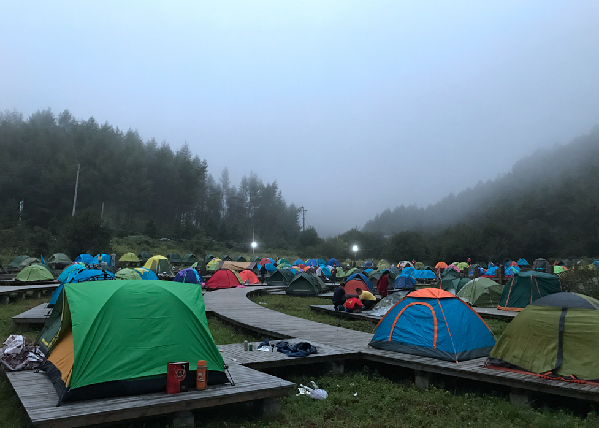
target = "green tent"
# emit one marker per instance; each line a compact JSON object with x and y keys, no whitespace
{"x":189,"y":259}
{"x":34,"y":273}
{"x":118,"y":338}
{"x":127,"y":274}
{"x":144,"y":256}
{"x":226,"y":258}
{"x":208,"y":257}
{"x":526,"y":287}
{"x":283,"y":262}
{"x":256,"y":259}
{"x":29,"y":261}
{"x":305,"y":284}
{"x":556,"y":334}
{"x":174,"y":259}
{"x":15,"y":262}
{"x":450,"y":279}
{"x":481,"y":292}
{"x":240,"y":258}
{"x":59,"y":258}
{"x":129,"y":257}
{"x":280,"y":277}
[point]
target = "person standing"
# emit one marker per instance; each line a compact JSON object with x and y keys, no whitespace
{"x":383,"y":284}
{"x":262,"y":274}
{"x":334,"y":274}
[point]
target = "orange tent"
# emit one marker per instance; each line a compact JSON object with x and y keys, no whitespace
{"x":222,"y":278}
{"x":248,"y":275}
{"x":351,"y":285}
{"x":441,"y":265}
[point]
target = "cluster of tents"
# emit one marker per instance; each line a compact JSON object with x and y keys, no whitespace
{"x":552,"y":336}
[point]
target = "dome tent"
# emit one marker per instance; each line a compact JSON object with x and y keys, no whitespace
{"x":222,"y":278}
{"x":526,"y":287}
{"x":305,"y":284}
{"x":152,"y":323}
{"x":127,"y":274}
{"x":34,"y":273}
{"x":280,"y":277}
{"x":481,"y":292}
{"x":434,"y":323}
{"x":189,"y":276}
{"x":158,"y":264}
{"x":129,"y":257}
{"x":555,"y":334}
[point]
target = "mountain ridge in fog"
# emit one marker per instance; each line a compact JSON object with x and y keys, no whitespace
{"x":572,"y":165}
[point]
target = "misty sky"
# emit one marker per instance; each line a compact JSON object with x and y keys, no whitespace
{"x":351,"y":106}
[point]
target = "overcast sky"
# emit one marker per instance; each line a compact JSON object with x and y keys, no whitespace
{"x":351,"y":106}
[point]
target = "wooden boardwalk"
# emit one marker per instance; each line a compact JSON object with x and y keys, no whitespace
{"x":233,"y":305}
{"x":22,"y":291}
{"x":35,"y":317}
{"x":38,"y":396}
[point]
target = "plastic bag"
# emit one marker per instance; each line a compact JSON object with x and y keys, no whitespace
{"x":316,"y":392}
{"x":14,"y":344}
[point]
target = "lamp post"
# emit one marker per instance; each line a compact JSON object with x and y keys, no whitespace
{"x":355,"y":250}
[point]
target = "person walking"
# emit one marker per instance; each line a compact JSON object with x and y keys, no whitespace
{"x":383,"y":284}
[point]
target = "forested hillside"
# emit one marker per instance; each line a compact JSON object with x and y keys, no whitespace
{"x":145,"y":187}
{"x":546,"y":206}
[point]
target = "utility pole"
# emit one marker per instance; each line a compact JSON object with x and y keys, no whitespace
{"x":76,"y":186}
{"x":303,"y":211}
{"x":20,"y":209}
{"x":102,"y":215}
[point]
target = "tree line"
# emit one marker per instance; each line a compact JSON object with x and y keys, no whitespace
{"x":126,"y":187}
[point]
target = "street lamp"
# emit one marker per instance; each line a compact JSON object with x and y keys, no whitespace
{"x":355,"y":250}
{"x":254,"y":245}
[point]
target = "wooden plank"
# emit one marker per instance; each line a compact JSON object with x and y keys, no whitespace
{"x":37,"y":315}
{"x":39,"y":399}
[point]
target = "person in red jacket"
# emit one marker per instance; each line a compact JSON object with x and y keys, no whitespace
{"x":383,"y":284}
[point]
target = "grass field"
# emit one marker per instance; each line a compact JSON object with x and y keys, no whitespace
{"x":362,"y":398}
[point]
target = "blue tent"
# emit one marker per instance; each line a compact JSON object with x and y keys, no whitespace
{"x":404,"y":282}
{"x":189,"y":275}
{"x":298,"y":262}
{"x":270,"y":267}
{"x":311,"y":262}
{"x":424,"y":274}
{"x":434,"y":323}
{"x":369,"y":264}
{"x":82,"y":276}
{"x":325,"y":271}
{"x":522,"y":262}
{"x":104,"y":258}
{"x":362,"y":278}
{"x":321,"y":262}
{"x":368,"y":270}
{"x":72,"y":269}
{"x":87,"y":259}
{"x":596,"y":263}
{"x":491,"y":271}
{"x":146,"y":274}
{"x":333,"y":262}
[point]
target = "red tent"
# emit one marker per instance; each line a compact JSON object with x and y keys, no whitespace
{"x":351,"y":285}
{"x":222,"y":278}
{"x":249,"y":275}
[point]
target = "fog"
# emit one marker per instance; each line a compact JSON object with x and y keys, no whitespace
{"x":352,"y":107}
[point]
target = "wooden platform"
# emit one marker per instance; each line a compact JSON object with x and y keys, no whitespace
{"x":489,"y":313}
{"x":22,"y":291}
{"x":39,"y":398}
{"x":261,"y":360}
{"x":233,"y":306}
{"x":33,"y":317}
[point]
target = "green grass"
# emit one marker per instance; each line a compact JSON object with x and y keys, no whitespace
{"x":366,"y":399}
{"x":300,"y":307}
{"x":225,"y":334}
